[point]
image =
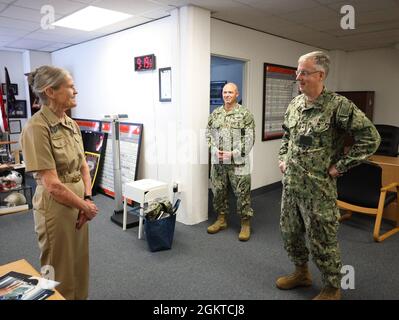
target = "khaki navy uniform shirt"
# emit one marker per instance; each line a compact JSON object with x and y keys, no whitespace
{"x":51,"y":143}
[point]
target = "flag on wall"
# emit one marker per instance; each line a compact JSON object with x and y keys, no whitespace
{"x":9,"y":93}
{"x":3,"y":115}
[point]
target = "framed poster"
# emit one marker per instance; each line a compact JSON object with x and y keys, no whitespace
{"x":93,"y":161}
{"x":217,"y":93}
{"x":13,"y":86}
{"x":18,"y":110}
{"x":279,"y":88}
{"x":94,"y":147}
{"x":130,"y":135}
{"x":15,"y":126}
{"x":165,"y":84}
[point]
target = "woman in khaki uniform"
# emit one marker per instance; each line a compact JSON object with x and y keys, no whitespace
{"x":53,"y":150}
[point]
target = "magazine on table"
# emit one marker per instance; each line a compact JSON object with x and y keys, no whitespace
{"x":19,"y":286}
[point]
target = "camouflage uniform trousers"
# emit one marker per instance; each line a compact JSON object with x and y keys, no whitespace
{"x":221,"y":174}
{"x":316,"y":219}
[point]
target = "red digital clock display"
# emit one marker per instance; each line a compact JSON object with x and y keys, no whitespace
{"x":143,"y":63}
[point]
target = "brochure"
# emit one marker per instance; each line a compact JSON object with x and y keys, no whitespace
{"x":19,"y":286}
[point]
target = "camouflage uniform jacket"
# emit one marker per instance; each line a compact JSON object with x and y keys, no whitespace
{"x":313,"y":141}
{"x":232,"y":130}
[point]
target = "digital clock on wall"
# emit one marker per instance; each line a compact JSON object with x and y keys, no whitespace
{"x":143,"y":63}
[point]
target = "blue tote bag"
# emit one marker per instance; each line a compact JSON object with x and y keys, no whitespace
{"x":159,"y":232}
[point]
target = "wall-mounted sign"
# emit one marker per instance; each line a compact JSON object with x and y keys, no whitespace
{"x":143,"y":63}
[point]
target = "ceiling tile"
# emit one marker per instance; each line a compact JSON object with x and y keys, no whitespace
{"x":13,"y":32}
{"x":376,"y":27}
{"x":323,"y":25}
{"x":312,"y":14}
{"x":84,"y":1}
{"x":361,"y":6}
{"x":28,"y":44}
{"x":7,"y":38}
{"x":377,"y":16}
{"x":279,"y":7}
{"x":18,"y":24}
{"x":122,"y":25}
{"x":156,"y":14}
{"x":24,"y":14}
{"x":324,"y":2}
{"x":174,"y":3}
{"x":136,"y":7}
{"x":61,"y":7}
{"x":55,"y":46}
{"x":46,"y":36}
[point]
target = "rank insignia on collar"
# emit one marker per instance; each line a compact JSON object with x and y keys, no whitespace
{"x":54,"y":129}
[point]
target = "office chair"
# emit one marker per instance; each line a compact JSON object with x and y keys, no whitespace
{"x":360,"y":190}
{"x":389,"y":140}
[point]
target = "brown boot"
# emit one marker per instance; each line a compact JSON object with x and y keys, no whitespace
{"x":245,"y":232}
{"x":300,"y":278}
{"x":329,"y":293}
{"x":220,"y":224}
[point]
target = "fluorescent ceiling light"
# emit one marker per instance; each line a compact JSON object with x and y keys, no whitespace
{"x":91,"y":18}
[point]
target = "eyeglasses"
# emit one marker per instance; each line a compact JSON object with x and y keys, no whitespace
{"x":305,"y":73}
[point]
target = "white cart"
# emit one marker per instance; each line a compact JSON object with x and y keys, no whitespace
{"x":143,"y":191}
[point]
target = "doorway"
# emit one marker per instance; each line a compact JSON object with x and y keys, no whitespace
{"x":225,"y":70}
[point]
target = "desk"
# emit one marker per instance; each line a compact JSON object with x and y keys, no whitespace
{"x":142,"y":191}
{"x":22,"y":266}
{"x":390,"y":173}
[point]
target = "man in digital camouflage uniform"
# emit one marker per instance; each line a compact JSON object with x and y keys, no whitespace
{"x":310,"y":158}
{"x":230,"y":136}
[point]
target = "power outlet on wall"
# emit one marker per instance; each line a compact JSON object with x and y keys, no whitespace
{"x":176,"y":187}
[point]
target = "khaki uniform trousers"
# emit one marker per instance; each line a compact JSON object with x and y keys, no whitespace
{"x":64,"y":249}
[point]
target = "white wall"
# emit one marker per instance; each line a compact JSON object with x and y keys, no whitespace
{"x":374,"y":70}
{"x":103,"y":71}
{"x":257,"y":48}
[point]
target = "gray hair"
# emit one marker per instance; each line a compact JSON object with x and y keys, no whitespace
{"x":321,"y":59}
{"x":46,"y":77}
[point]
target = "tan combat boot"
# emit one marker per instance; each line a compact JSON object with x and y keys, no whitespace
{"x":220,"y":224}
{"x":329,"y":293}
{"x":245,"y":232}
{"x":300,"y":278}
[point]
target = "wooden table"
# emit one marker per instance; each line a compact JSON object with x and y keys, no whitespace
{"x":390,"y":173}
{"x":22,"y":266}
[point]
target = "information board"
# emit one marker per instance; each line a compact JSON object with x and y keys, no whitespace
{"x":279,"y":88}
{"x":130,"y":141}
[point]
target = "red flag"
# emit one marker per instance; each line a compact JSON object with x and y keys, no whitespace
{"x":3,"y":115}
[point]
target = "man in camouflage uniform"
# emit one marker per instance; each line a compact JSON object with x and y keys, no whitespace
{"x":230,"y":136}
{"x":310,"y":158}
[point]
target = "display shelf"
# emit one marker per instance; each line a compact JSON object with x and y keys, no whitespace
{"x":7,"y":209}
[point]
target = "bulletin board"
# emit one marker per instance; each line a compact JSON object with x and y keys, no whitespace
{"x":130,"y":142}
{"x":94,"y":147}
{"x":279,"y":88}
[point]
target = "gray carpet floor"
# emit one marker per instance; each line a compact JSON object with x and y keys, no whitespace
{"x":217,"y":267}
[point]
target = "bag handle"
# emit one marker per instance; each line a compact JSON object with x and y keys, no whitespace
{"x":176,"y":206}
